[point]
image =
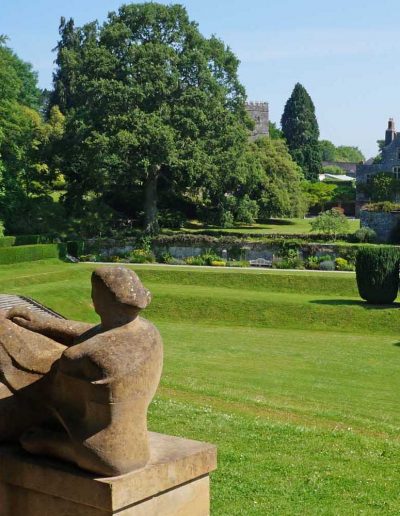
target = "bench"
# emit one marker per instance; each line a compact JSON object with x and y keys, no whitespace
{"x":260,"y":262}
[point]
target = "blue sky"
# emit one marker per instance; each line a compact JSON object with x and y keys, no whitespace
{"x":344,"y":52}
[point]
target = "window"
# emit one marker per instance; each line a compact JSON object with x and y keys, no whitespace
{"x":398,"y":154}
{"x":396,"y":172}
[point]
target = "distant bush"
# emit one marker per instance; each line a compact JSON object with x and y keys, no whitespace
{"x":28,"y":253}
{"x":171,"y":219}
{"x":141,"y":256}
{"x":327,"y":265}
{"x":377,"y":271}
{"x":384,"y":206}
{"x":218,"y":263}
{"x":312,"y":263}
{"x":341,"y":264}
{"x":365,"y":235}
{"x":194,"y":260}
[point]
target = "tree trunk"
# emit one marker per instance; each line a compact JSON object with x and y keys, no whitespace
{"x":150,"y":203}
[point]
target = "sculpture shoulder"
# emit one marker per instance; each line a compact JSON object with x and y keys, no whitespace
{"x":117,"y":352}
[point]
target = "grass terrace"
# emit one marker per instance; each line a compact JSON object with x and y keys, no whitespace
{"x":273,"y":226}
{"x":288,"y":373}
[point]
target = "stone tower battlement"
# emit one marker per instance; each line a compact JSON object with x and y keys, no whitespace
{"x":259,"y":112}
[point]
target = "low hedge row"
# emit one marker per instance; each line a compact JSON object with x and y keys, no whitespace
{"x":10,"y":241}
{"x":30,"y":253}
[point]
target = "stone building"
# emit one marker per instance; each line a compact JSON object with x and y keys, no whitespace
{"x":390,"y":163}
{"x":259,"y":112}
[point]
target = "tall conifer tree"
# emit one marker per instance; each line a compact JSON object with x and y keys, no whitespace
{"x":300,"y":128}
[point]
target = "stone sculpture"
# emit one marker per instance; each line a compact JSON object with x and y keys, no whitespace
{"x":80,"y":392}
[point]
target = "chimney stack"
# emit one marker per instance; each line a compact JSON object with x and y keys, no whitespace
{"x":390,"y":132}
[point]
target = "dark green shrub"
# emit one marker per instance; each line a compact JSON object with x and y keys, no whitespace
{"x":377,"y":271}
{"x":75,"y":247}
{"x":29,"y":253}
{"x":364,"y":234}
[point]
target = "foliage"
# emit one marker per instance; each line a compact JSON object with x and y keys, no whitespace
{"x":27,"y":174}
{"x":381,"y":187}
{"x":332,"y":169}
{"x":274,"y":132}
{"x":1,"y":229}
{"x":195,"y":260}
{"x":343,"y":153}
{"x":327,"y":265}
{"x":365,"y":234}
{"x":218,"y":263}
{"x":276,"y":180}
{"x":312,"y":263}
{"x":319,"y":193}
{"x":300,"y":128}
{"x":237,"y":263}
{"x":28,"y":253}
{"x":384,"y":206}
{"x":331,"y":222}
{"x":348,"y":154}
{"x":377,"y":271}
{"x":150,"y":103}
{"x":341,"y":264}
{"x":141,"y":256}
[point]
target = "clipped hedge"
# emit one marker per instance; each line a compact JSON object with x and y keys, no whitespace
{"x":76,"y":248}
{"x":7,"y":241}
{"x":30,"y":253}
{"x":377,"y":272}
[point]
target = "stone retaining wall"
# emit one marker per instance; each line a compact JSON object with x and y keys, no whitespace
{"x":383,"y":223}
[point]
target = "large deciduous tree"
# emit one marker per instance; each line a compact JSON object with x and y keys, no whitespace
{"x":300,"y":128}
{"x":24,"y":141}
{"x":147,"y":97}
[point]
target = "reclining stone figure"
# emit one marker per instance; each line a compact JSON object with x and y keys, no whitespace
{"x":80,"y":392}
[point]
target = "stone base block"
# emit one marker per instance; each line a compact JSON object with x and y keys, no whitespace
{"x":174,"y":482}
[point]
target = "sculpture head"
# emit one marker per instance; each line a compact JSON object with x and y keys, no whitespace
{"x":118,"y":295}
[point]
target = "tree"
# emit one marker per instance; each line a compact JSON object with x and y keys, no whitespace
{"x":348,"y":154}
{"x":148,"y":99}
{"x":276,"y":180}
{"x":300,"y":128}
{"x":273,"y":131}
{"x":331,"y":222}
{"x":319,"y":194}
{"x":328,"y":150}
{"x":24,"y":142}
{"x":343,"y":153}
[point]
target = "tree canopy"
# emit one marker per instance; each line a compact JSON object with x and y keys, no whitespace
{"x":300,"y":128}
{"x":147,"y":98}
{"x":342,"y":153}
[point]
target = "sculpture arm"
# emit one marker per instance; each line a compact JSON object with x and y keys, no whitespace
{"x":61,"y":330}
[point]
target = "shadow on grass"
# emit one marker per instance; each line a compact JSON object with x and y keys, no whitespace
{"x":397,"y":344}
{"x":353,"y":302}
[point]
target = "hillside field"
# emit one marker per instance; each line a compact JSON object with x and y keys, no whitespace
{"x":288,"y":373}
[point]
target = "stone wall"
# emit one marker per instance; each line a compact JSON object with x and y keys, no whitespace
{"x":383,"y":223}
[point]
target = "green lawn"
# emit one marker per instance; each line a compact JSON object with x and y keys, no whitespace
{"x":291,"y":376}
{"x":274,"y":226}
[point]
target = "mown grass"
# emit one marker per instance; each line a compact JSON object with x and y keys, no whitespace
{"x":273,"y":226}
{"x":291,"y":376}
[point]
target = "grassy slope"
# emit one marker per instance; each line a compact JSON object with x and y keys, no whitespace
{"x":292,"y":378}
{"x":286,"y":226}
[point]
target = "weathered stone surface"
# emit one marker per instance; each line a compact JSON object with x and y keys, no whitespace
{"x":383,"y":223}
{"x":80,"y":392}
{"x":174,"y":482}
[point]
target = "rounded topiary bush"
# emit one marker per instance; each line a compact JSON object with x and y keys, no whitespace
{"x":377,"y":272}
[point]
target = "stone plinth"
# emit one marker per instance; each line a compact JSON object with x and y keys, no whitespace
{"x":174,"y":482}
